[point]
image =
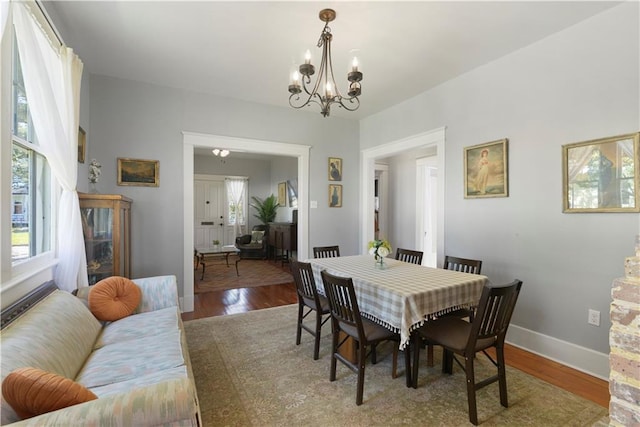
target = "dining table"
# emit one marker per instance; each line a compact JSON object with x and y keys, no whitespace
{"x":401,"y":296}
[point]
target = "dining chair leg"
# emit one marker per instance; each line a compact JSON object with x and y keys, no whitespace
{"x":447,"y":362}
{"x":502,"y":376}
{"x":316,"y":347}
{"x":394,"y":363}
{"x":299,"y":327}
{"x":334,"y":350}
{"x":361,"y":363}
{"x":471,"y":390}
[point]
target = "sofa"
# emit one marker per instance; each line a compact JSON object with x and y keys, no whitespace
{"x":138,"y":366}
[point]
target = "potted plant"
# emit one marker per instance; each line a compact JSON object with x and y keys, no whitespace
{"x":266,"y":208}
{"x":216,"y":244}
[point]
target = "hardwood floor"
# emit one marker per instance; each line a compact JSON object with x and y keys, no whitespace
{"x":218,"y":303}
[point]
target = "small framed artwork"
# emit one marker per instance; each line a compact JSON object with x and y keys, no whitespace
{"x":82,"y":144}
{"x":145,"y":173}
{"x":602,"y":175}
{"x":335,"y":169}
{"x":335,"y":195}
{"x":486,"y":171}
{"x":282,"y":194}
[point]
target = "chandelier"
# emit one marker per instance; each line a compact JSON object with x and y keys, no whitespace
{"x":324,"y":92}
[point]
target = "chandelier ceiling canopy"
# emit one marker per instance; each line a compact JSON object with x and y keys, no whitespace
{"x":325,"y":91}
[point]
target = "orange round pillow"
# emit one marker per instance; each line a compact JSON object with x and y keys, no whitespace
{"x":114,"y":298}
{"x":32,"y":391}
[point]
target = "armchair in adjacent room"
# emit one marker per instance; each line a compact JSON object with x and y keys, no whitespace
{"x":253,"y":245}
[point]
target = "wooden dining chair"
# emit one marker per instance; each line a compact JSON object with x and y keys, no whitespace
{"x":407,"y":255}
{"x":310,"y":300}
{"x":346,"y":318}
{"x":463,"y":265}
{"x":326,"y":251}
{"x":457,"y":336}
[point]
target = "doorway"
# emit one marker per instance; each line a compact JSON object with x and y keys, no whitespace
{"x":191,"y":140}
{"x":426,"y":209}
{"x":434,"y":138}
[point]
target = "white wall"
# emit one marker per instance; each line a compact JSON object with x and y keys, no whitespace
{"x":577,"y":85}
{"x":131,"y":119}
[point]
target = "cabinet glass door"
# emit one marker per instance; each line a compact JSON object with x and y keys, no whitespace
{"x":98,"y":229}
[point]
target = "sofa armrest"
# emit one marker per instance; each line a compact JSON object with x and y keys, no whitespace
{"x":168,"y":403}
{"x":157,"y":293}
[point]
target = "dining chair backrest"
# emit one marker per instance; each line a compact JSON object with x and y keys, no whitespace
{"x":493,"y":314}
{"x":342,"y":302}
{"x":326,"y":251}
{"x":305,"y":283}
{"x":464,"y":265}
{"x":407,"y":255}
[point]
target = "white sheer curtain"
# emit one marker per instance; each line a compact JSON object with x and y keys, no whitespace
{"x":52,"y":78}
{"x":235,"y":192}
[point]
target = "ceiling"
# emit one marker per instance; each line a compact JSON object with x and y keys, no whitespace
{"x":247,"y":50}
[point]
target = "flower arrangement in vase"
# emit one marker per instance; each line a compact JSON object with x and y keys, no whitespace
{"x":379,"y":248}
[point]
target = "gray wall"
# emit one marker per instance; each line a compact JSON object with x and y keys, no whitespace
{"x":136,"y":120}
{"x":577,"y":85}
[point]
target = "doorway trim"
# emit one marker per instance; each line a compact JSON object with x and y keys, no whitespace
{"x":191,"y":140}
{"x":432,"y":138}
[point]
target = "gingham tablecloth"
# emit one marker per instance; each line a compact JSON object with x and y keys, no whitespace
{"x":403,"y":295}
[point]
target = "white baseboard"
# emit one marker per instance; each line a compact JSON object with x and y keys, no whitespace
{"x":574,"y":356}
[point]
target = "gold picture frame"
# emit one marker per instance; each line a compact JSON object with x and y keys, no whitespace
{"x":335,"y":169}
{"x":282,"y":194}
{"x":335,"y":195}
{"x":82,"y":144}
{"x":486,"y":170}
{"x":602,"y":175}
{"x":138,"y":172}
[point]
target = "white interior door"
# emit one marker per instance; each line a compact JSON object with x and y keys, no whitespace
{"x":427,"y":209}
{"x":208,"y":209}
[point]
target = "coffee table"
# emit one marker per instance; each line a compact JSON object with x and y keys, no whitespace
{"x":218,"y":252}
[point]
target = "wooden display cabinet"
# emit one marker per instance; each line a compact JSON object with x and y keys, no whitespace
{"x":106,"y":225}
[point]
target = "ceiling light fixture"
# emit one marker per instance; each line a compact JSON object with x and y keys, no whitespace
{"x":325,"y":91}
{"x":220,"y":153}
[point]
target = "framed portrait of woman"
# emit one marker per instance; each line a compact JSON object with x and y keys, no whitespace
{"x":486,"y":170}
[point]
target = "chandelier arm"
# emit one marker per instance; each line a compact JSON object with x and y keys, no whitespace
{"x":351,"y":101}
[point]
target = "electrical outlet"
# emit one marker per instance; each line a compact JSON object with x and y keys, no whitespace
{"x":594,"y":317}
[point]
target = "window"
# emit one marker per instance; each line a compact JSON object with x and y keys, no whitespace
{"x":236,"y":192}
{"x":30,"y":180}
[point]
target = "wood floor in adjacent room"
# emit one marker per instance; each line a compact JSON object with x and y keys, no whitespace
{"x":218,"y":303}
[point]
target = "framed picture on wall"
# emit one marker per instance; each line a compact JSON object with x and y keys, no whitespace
{"x":486,"y":170}
{"x":335,"y":195}
{"x":282,"y":194}
{"x":82,"y":144}
{"x":602,"y":175}
{"x":335,"y":169}
{"x":145,"y":173}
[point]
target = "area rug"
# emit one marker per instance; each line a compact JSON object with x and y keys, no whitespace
{"x":251,"y":273}
{"x":249,"y":372}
